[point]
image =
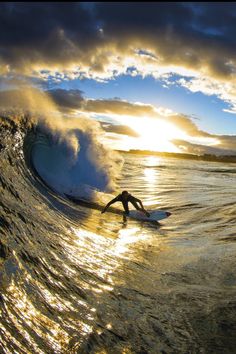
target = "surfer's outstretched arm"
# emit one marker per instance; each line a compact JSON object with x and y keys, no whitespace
{"x":108,"y":204}
{"x":142,"y":207}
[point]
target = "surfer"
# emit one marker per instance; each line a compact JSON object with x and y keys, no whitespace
{"x":125,"y":198}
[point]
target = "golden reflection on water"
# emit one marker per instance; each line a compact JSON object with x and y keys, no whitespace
{"x":151,"y":178}
{"x":96,"y":254}
{"x":152,"y":161}
{"x":105,"y":254}
{"x":150,"y":175}
{"x":25,"y":309}
{"x":126,"y":237}
{"x":22,"y":308}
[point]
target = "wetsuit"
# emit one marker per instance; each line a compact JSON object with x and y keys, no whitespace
{"x":125,"y":202}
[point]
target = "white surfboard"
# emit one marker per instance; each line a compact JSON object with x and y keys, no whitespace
{"x":155,"y":215}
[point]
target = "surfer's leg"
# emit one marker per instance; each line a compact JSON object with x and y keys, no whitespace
{"x":126,"y":212}
{"x":125,"y":206}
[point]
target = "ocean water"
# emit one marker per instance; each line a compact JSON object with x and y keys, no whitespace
{"x":74,"y":280}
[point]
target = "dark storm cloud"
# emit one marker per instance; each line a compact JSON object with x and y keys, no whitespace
{"x":29,"y":24}
{"x":181,"y":33}
{"x":46,"y":33}
{"x":141,"y":16}
{"x":198,"y":36}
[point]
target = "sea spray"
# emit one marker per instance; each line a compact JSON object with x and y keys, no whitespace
{"x":67,"y":152}
{"x":73,"y":161}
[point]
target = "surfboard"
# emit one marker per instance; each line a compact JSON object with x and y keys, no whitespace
{"x":93,"y":205}
{"x":155,"y":215}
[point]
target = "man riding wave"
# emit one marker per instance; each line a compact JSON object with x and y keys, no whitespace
{"x":125,"y":198}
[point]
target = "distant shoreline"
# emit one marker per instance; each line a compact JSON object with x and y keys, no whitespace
{"x":205,"y":157}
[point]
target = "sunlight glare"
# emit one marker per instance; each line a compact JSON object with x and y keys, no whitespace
{"x":156,"y":135}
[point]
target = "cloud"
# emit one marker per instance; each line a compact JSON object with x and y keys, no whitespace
{"x":106,"y":39}
{"x":119,"y":129}
{"x":67,"y":100}
{"x":64,"y":41}
{"x":74,"y":100}
{"x":224,"y":90}
{"x":228,"y":142}
{"x":119,"y":107}
{"x":224,"y":148}
{"x":186,"y":124}
{"x":47,"y":34}
{"x":71,"y":101}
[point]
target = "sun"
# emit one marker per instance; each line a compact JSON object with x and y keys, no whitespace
{"x":156,"y":135}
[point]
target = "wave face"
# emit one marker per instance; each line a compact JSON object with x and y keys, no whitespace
{"x":74,"y":280}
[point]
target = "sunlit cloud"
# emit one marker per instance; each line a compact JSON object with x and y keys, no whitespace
{"x":209,"y":86}
{"x":200,"y":149}
{"x":120,"y":129}
{"x":57,"y":42}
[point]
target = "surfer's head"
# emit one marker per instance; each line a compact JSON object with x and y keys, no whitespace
{"x":125,"y":194}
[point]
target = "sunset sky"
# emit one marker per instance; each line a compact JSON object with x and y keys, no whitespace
{"x":158,"y":76}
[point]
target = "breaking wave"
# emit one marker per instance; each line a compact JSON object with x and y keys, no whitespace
{"x":75,"y":281}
